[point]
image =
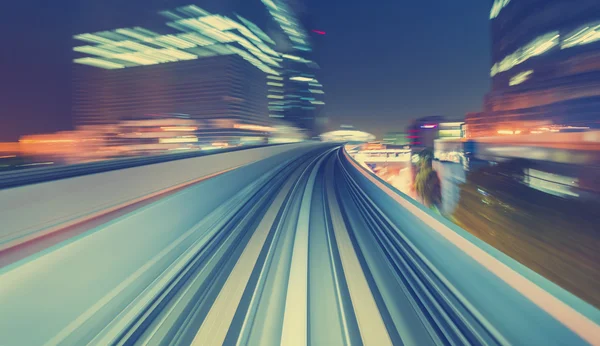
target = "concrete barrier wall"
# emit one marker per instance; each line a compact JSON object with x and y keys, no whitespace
{"x":29,"y":209}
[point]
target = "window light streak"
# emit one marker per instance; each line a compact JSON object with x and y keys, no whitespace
{"x":497,"y":7}
{"x":98,"y":63}
{"x":184,"y":139}
{"x":302,"y":79}
{"x":218,"y":22}
{"x":270,"y":4}
{"x":315,"y":91}
{"x":92,"y":38}
{"x":288,"y":23}
{"x":275,"y":77}
{"x":275,"y":97}
{"x":587,"y":35}
{"x":253,"y":127}
{"x":256,"y":30}
{"x":132,"y":34}
{"x":317,"y":102}
{"x":291,"y":57}
{"x":145,"y":31}
{"x":451,"y":124}
{"x":197,"y":39}
{"x":520,"y":78}
{"x":176,"y":41}
{"x":538,"y":46}
{"x":193,"y":11}
{"x":275,"y":84}
{"x":217,"y":34}
{"x":178,"y":128}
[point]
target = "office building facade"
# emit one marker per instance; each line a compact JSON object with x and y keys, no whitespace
{"x":210,"y":68}
{"x":422,"y":132}
{"x":545,"y":69}
{"x":297,"y":95}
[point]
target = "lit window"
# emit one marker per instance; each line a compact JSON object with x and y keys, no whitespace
{"x":302,"y":79}
{"x":497,"y":7}
{"x":586,"y":35}
{"x":536,"y":47}
{"x":520,"y":78}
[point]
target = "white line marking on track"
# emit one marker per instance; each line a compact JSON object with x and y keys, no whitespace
{"x":218,"y":320}
{"x":372,"y":328}
{"x":295,"y":318}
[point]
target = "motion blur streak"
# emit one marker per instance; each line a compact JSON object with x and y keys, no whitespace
{"x":303,"y":247}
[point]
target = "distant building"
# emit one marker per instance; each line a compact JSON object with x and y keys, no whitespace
{"x":423,"y":131}
{"x":297,"y":95}
{"x":68,"y":146}
{"x":546,"y":63}
{"x":351,"y":136}
{"x":284,"y":132}
{"x":395,"y":138}
{"x":158,"y":133}
{"x":451,"y":129}
{"x":210,"y":68}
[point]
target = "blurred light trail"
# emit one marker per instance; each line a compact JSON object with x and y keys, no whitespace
{"x":303,"y":246}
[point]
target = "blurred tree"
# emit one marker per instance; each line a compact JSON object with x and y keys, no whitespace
{"x":427,"y":182}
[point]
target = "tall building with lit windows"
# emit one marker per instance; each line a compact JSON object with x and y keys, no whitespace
{"x":545,"y":69}
{"x":296,"y":95}
{"x":210,"y":68}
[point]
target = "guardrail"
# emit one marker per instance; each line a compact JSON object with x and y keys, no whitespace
{"x":31,"y":210}
{"x":37,"y":175}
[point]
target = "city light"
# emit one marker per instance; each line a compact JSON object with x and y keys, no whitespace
{"x":184,"y":139}
{"x":587,"y":35}
{"x":497,"y":7}
{"x":302,"y":79}
{"x":538,"y":46}
{"x":319,"y":32}
{"x":128,"y":47}
{"x":520,"y":78}
{"x":429,"y":126}
{"x":253,"y":127}
{"x":451,"y":124}
{"x":178,"y":128}
{"x":220,"y":144}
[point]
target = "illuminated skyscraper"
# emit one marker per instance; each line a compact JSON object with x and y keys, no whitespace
{"x":545,"y":68}
{"x":297,"y":95}
{"x":209,"y":67}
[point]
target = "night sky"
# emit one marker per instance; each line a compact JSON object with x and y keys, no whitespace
{"x":383,"y":62}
